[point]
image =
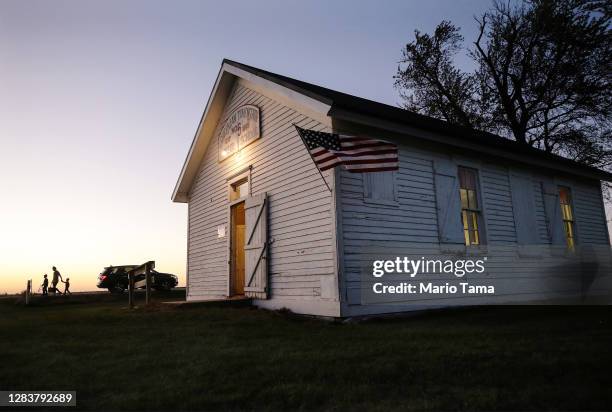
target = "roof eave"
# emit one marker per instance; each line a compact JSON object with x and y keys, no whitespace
{"x":214,"y":105}
{"x":437,"y":135}
{"x":324,"y":106}
{"x":314,"y":105}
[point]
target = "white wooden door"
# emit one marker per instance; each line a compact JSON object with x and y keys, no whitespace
{"x":256,"y":247}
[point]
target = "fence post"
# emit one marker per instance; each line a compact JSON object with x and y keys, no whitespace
{"x":131,"y":289}
{"x":28,"y":291}
{"x":148,"y":282}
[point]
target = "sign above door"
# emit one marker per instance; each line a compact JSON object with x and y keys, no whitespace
{"x":240,"y":129}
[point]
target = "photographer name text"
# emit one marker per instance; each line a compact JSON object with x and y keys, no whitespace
{"x":413,"y":267}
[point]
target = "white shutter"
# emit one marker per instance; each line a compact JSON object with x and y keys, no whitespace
{"x":523,"y":205}
{"x":256,"y":247}
{"x":554,"y":222}
{"x":448,"y":202}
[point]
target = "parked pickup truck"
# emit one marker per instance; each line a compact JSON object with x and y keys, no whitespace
{"x":115,"y":279}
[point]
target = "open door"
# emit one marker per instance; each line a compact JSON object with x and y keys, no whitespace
{"x":256,"y":247}
{"x":237,"y":234}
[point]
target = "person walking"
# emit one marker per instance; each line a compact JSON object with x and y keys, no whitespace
{"x":45,"y":285}
{"x":67,"y":287}
{"x":56,"y":279}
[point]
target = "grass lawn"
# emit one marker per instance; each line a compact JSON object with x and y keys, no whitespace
{"x":212,"y":358}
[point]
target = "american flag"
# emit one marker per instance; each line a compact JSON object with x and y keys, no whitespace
{"x":356,"y":154}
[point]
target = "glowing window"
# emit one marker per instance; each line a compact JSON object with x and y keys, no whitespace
{"x":565,"y":199}
{"x":471,"y":213}
{"x":239,"y":189}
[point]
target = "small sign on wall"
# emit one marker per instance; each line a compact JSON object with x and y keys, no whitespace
{"x":221,"y":231}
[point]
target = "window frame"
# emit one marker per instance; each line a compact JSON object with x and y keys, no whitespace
{"x":238,"y":180}
{"x":381,"y":202}
{"x":572,"y":221}
{"x":478,"y":210}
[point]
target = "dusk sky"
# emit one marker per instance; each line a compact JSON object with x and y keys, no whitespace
{"x":99,"y":101}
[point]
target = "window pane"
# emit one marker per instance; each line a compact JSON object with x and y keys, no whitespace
{"x":462,"y":178}
{"x":464,"y":198}
{"x":473,"y":204}
{"x":567,"y":212}
{"x":469,"y":204}
{"x":569,"y":230}
{"x":564,"y":211}
{"x":470,"y":227}
{"x":379,"y":185}
{"x":565,"y":200}
{"x":570,"y":243}
{"x":471,"y":180}
{"x":569,"y":234}
{"x":476,"y":240}
{"x":467,"y":178}
{"x":564,"y":195}
{"x":474,"y":221}
{"x":239,"y":189}
{"x":243,"y":189}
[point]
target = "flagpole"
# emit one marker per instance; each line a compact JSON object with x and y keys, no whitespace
{"x":312,"y":158}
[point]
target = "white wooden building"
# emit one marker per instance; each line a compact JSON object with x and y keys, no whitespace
{"x":263,"y":223}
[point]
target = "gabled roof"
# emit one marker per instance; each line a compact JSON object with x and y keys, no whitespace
{"x":346,"y":106}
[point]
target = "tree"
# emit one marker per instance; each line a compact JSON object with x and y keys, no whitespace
{"x":542,"y":76}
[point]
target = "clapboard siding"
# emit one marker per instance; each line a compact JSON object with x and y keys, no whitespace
{"x":414,"y":219}
{"x":412,"y":222}
{"x":300,"y":206}
{"x":410,"y":229}
{"x":540,"y":212}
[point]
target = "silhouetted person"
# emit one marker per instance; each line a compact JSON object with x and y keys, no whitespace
{"x":45,"y":285}
{"x":67,"y":286}
{"x":56,"y":278}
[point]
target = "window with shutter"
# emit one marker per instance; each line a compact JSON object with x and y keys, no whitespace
{"x":567,"y":214}
{"x":380,"y":188}
{"x":471,"y":213}
{"x":552,"y":209}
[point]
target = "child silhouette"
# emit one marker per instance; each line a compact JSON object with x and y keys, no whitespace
{"x":45,"y":285}
{"x":67,"y":287}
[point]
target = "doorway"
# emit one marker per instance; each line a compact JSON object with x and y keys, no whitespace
{"x":237,"y":241}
